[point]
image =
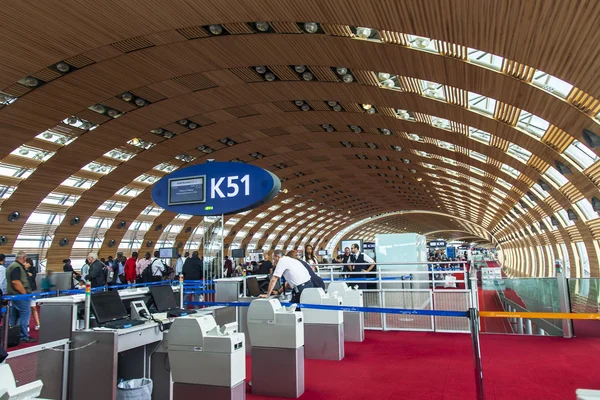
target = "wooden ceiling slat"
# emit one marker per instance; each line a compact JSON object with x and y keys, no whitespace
{"x":337,"y":30}
{"x":284,"y":72}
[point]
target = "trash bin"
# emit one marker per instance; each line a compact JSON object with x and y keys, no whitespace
{"x":135,"y":389}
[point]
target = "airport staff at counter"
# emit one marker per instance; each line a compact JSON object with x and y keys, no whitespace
{"x":296,"y":276}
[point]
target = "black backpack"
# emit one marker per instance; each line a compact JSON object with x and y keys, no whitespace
{"x":147,"y":275}
{"x":315,"y":279}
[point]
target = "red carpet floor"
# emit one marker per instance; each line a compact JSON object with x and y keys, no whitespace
{"x":428,"y":366}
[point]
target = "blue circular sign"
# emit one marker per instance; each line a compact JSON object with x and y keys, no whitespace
{"x":216,"y":188}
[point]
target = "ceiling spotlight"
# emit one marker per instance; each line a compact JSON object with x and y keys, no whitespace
{"x":63,"y":67}
{"x":192,"y":125}
{"x":307,"y":76}
{"x":261,"y":69}
{"x":299,"y":103}
{"x":341,"y":70}
{"x":23,"y":152}
{"x":371,"y":111}
{"x":388,"y":83}
{"x":331,"y":103}
{"x":337,"y":107}
{"x":99,"y":108}
{"x":224,"y":140}
{"x":262,"y":26}
{"x":168,"y":135}
{"x":406,"y":161}
{"x":386,"y":131}
{"x":86,"y":125}
{"x":72,"y":120}
{"x":383,"y":76}
{"x":112,"y":113}
{"x":158,"y":131}
{"x":363,"y":33}
{"x":270,"y":77}
{"x":215,"y":29}
{"x":305,"y":107}
{"x":422,"y":42}
{"x":30,"y":81}
{"x":182,"y":122}
{"x":300,"y":68}
{"x":348,"y":78}
{"x":140,"y":102}
{"x":230,"y":143}
{"x":367,"y":106}
{"x":419,"y":179}
{"x":127,"y":96}
{"x":311,"y":27}
{"x":284,"y":190}
{"x":48,"y":135}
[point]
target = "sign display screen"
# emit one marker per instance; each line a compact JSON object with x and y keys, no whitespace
{"x":322,"y":252}
{"x":437,"y":243}
{"x":167,"y":252}
{"x":190,"y":190}
{"x":215,"y":188}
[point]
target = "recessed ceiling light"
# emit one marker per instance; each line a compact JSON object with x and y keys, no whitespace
{"x":262,"y":26}
{"x":215,"y":29}
{"x":311,"y":27}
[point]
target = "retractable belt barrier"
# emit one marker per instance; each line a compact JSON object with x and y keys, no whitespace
{"x":537,"y":315}
{"x":436,"y":313}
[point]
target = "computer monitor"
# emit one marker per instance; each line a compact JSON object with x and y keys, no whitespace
{"x":108,"y":306}
{"x":238,"y":253}
{"x":252,"y":286}
{"x":163,"y":298}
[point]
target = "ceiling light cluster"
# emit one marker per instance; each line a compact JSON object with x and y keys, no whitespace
{"x":258,"y":156}
{"x":6,"y":99}
{"x":131,"y":98}
{"x":262,"y":26}
{"x":31,"y":82}
{"x":303,"y":72}
{"x":205,"y":149}
{"x":396,"y":148}
{"x":119,"y":155}
{"x":54,"y":137}
{"x":328,"y":128}
{"x":346,"y":144}
{"x":216,"y":29}
{"x":188,"y":124}
{"x":345,"y":74}
{"x":79,"y":123}
{"x":186,"y":158}
{"x":355,"y":128}
{"x":137,"y":142}
{"x":280,"y":166}
{"x":33,"y":153}
{"x":369,"y":108}
{"x":335,"y":106}
{"x":266,"y":73}
{"x":310,"y":27}
{"x":228,"y":142}
{"x":162,"y":132}
{"x":104,"y":110}
{"x":302,"y":105}
{"x":237,"y":160}
{"x":99,"y":168}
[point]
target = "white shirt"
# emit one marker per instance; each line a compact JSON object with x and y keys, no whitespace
{"x":3,"y":278}
{"x":157,"y":267}
{"x":179,"y":266}
{"x":292,"y":270}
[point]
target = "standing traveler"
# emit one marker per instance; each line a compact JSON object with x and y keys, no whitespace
{"x":310,"y":258}
{"x":2,"y":274}
{"x":96,"y":276}
{"x":179,"y":265}
{"x":193,"y":271}
{"x":157,"y":267}
{"x":31,"y":274}
{"x":295,"y":274}
{"x":18,"y":283}
{"x":130,"y":268}
{"x":361,"y":258}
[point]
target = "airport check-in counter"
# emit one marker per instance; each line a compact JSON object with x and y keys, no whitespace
{"x":61,"y":316}
{"x":207,"y":360}
{"x":354,"y":322}
{"x":323,"y":329}
{"x":277,"y":335}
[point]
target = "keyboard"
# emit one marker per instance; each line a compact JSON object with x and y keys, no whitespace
{"x":177,"y":312}
{"x":123,"y":324}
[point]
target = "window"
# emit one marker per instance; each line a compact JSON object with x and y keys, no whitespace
{"x":581,"y":154}
{"x":485,"y":59}
{"x":556,"y":177}
{"x":583,"y":259}
{"x":519,"y":153}
{"x":479,"y":135}
{"x":532,"y":124}
{"x":551,"y":84}
{"x":481,"y":103}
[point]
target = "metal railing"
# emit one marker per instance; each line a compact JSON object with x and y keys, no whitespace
{"x":48,"y":362}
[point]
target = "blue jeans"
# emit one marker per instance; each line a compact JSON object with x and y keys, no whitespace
{"x":21,"y":310}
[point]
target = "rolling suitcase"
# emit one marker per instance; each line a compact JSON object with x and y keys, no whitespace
{"x":14,"y":336}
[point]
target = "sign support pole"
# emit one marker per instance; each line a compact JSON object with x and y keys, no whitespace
{"x":222,"y":255}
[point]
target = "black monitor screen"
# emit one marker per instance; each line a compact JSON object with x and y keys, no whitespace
{"x":163,"y":298}
{"x":190,"y":190}
{"x":108,"y":306}
{"x":238,"y":253}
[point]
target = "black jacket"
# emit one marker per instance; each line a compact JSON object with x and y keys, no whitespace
{"x":33,"y":271}
{"x":314,"y":278}
{"x":96,"y":276}
{"x":265,"y":267}
{"x":192,"y":269}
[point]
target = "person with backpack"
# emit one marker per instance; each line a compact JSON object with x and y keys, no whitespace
{"x":155,"y":271}
{"x":316,"y":280}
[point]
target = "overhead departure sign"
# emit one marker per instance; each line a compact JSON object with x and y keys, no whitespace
{"x":215,"y":188}
{"x":437,"y":243}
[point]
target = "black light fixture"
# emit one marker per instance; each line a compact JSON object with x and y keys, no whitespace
{"x":543,"y":226}
{"x":158,"y":227}
{"x":596,"y":204}
{"x":544,"y":185}
{"x":3,"y":240}
{"x":554,"y":221}
{"x":531,"y":197}
{"x":122,"y":225}
{"x":13,"y":216}
{"x":149,"y":243}
{"x":591,"y":138}
{"x":572,"y":215}
{"x":63,"y":242}
{"x":75,"y":221}
{"x":111,"y":243}
{"x":188,"y":229}
{"x":562,"y":168}
{"x":131,"y":98}
{"x":266,"y":73}
{"x":162,"y":132}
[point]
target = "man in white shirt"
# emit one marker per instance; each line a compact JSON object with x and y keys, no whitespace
{"x":2,"y":274}
{"x":362,"y":258}
{"x":295,"y":274}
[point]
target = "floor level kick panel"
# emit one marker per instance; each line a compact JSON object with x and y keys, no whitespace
{"x":187,"y":391}
{"x":354,"y":326}
{"x":278,"y":372}
{"x":324,"y":341}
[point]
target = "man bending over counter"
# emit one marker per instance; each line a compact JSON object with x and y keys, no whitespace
{"x":296,"y":276}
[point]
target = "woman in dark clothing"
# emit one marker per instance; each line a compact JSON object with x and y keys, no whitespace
{"x":31,"y":273}
{"x":69,"y":268}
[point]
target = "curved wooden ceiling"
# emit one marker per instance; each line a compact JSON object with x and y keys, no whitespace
{"x":428,"y":147}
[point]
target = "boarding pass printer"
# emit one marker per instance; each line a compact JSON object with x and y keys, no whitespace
{"x":277,"y":335}
{"x":207,"y":360}
{"x":354,"y":322}
{"x":323,"y":329}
